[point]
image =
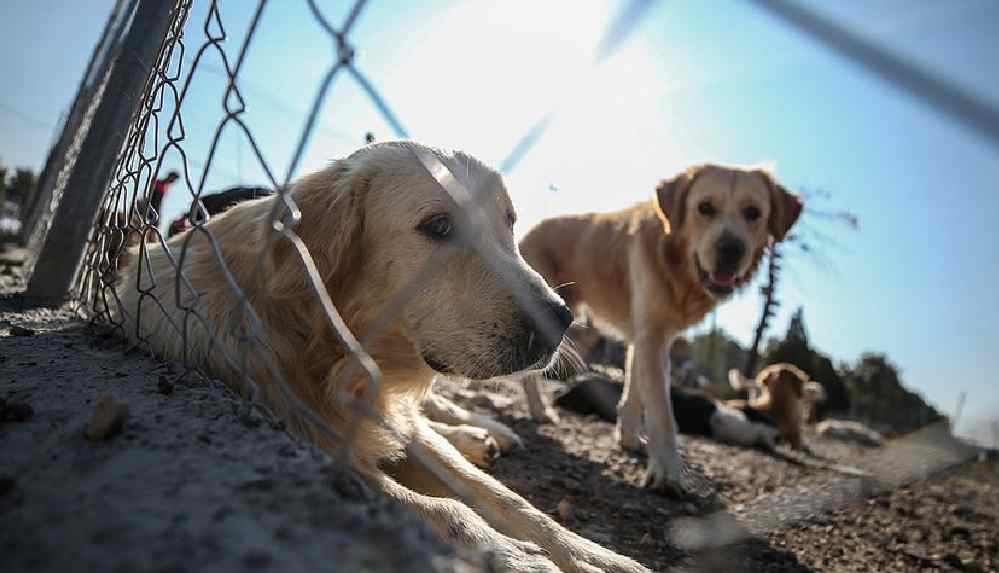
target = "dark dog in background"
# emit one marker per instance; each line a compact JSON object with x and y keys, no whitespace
{"x":774,"y":415}
{"x":217,"y":203}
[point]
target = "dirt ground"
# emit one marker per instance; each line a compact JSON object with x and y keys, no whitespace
{"x":196,"y":480}
{"x":924,"y":507}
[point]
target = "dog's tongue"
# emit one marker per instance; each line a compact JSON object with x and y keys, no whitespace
{"x":723,"y":279}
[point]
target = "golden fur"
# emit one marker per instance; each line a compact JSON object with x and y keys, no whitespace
{"x":782,"y":397}
{"x":654,"y":269}
{"x":364,"y":220}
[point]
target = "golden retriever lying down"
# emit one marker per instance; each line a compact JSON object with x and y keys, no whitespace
{"x":654,"y":269}
{"x":372,"y":222}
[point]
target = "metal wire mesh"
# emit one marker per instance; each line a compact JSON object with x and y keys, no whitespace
{"x":127,"y":218}
{"x":128,"y":221}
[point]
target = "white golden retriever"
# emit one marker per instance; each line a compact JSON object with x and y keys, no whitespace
{"x":374,"y":222}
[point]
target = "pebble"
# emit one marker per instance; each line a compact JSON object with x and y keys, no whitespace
{"x":565,"y":510}
{"x":15,"y":411}
{"x":108,"y":418}
{"x":164,"y":386}
{"x":16,"y":330}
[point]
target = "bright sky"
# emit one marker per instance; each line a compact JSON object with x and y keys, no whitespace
{"x":697,"y":81}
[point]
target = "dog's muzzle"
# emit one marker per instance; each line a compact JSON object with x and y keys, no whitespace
{"x":719,"y":284}
{"x":729,"y":254}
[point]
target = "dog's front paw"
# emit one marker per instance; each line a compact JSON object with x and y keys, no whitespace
{"x":588,"y":557}
{"x":630,"y":438}
{"x":664,"y":477}
{"x":476,"y":444}
{"x":519,"y":556}
{"x":507,"y":439}
{"x":610,"y":563}
{"x":679,"y":482}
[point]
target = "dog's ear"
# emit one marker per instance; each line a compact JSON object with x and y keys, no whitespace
{"x":671,"y":198}
{"x":785,"y":207}
{"x":332,"y":217}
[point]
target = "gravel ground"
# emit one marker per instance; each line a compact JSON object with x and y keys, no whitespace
{"x":775,"y":515}
{"x":190,"y":479}
{"x":195,"y":480}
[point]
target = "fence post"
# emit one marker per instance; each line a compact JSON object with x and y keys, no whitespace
{"x":40,"y":202}
{"x":59,"y":259}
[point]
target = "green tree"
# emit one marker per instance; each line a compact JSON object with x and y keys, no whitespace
{"x":3,"y":184}
{"x":715,"y":353}
{"x":22,"y":185}
{"x":881,"y":400}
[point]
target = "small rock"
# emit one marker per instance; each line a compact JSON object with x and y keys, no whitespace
{"x":164,"y":386}
{"x":565,"y":510}
{"x":257,"y":560}
{"x":15,"y":411}
{"x":108,"y":418}
{"x":16,"y":330}
{"x":953,"y":561}
{"x":646,"y":539}
{"x":959,"y":531}
{"x":7,"y":485}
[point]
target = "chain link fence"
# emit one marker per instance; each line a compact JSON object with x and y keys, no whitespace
{"x":124,"y":213}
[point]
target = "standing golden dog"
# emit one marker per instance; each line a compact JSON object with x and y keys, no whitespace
{"x":651,"y":271}
{"x":374,"y":224}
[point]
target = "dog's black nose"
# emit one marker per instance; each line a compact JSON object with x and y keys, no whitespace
{"x":555,"y":321}
{"x":563,"y":315}
{"x":730,"y":252}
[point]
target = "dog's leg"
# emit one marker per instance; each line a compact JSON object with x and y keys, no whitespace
{"x":440,"y":409}
{"x":537,"y":403}
{"x":629,"y":410}
{"x":456,"y":523}
{"x":651,"y":375}
{"x":507,"y":512}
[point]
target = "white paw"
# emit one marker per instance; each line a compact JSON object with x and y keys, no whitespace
{"x":519,"y":557}
{"x":664,"y":473}
{"x":507,"y":439}
{"x":476,"y":444}
{"x":588,"y":557}
{"x":630,"y":439}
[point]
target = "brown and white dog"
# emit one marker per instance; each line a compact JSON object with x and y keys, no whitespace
{"x":376,"y":224}
{"x":654,"y":269}
{"x":784,"y":393}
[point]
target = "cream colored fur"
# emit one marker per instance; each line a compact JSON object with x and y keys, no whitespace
{"x":652,"y":270}
{"x":361,"y":219}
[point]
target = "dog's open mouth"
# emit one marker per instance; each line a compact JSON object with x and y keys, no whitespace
{"x":717,"y":283}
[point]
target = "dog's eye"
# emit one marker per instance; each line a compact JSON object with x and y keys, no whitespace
{"x":706,"y":208}
{"x":751,"y":213}
{"x":437,"y":227}
{"x":511,"y":218}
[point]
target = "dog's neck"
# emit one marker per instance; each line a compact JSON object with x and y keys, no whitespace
{"x":673,"y":257}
